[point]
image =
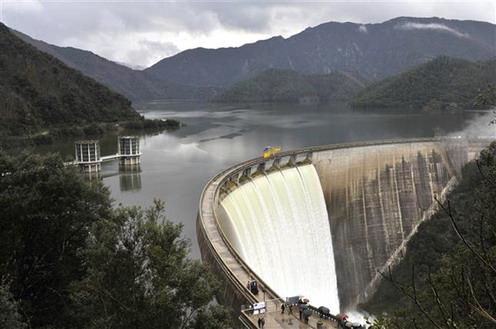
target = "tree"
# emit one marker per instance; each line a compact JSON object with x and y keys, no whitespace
{"x":47,"y":210}
{"x":9,"y":313}
{"x":139,"y":276}
{"x":72,"y":261}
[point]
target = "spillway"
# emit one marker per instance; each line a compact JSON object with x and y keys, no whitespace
{"x":278,"y":223}
{"x":323,"y":222}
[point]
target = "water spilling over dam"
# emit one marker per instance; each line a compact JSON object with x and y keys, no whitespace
{"x":324,"y":217}
{"x":278,"y":223}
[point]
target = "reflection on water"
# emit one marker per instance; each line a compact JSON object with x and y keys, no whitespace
{"x":129,"y":176}
{"x":175,"y":166}
{"x":92,"y":176}
{"x":130,"y":179}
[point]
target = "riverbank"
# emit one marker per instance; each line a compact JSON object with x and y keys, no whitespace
{"x":95,"y":130}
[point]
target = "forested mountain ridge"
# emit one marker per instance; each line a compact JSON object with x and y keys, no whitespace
{"x":134,"y":84}
{"x":374,"y":51}
{"x":287,"y":86}
{"x":443,"y":83}
{"x":37,"y":91}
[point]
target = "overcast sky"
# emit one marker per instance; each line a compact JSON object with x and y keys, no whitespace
{"x":140,"y":33}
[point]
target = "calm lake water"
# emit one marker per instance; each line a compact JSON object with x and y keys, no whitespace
{"x":175,"y":166}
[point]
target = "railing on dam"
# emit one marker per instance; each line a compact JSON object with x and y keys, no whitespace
{"x":220,"y":250}
{"x":236,"y":171}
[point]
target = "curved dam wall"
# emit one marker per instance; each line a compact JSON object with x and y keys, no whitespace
{"x":278,"y":223}
{"x":325,"y":226}
{"x":376,"y":196}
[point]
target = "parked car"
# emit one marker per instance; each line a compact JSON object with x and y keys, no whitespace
{"x":324,"y":312}
{"x":253,"y":287}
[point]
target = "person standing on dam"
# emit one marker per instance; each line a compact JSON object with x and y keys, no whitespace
{"x":261,"y":322}
{"x":282,"y":308}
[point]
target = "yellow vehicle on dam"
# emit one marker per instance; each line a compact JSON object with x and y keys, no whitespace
{"x":270,"y":151}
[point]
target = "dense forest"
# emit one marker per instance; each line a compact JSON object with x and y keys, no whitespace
{"x":38,"y":91}
{"x":447,"y":277}
{"x":442,"y":84}
{"x":286,"y":86}
{"x":70,"y":260}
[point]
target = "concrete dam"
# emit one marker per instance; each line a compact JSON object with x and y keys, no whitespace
{"x":284,"y":209}
{"x":322,"y":222}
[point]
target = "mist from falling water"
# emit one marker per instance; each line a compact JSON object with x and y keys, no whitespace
{"x":279,"y":224}
{"x":483,"y":126}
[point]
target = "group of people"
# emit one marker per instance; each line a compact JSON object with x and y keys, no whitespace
{"x":283,"y":308}
{"x":304,"y":316}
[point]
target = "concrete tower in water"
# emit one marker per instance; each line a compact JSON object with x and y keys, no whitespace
{"x":87,"y":155}
{"x":129,"y":151}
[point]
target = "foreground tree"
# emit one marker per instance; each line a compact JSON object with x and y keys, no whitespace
{"x":70,"y":260}
{"x":47,"y":210}
{"x":9,"y":313}
{"x":139,"y":276}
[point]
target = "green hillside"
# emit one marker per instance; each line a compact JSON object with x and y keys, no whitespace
{"x":38,"y":91}
{"x":441,"y":84}
{"x":286,"y":86}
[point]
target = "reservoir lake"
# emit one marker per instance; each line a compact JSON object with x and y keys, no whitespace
{"x":176,"y":165}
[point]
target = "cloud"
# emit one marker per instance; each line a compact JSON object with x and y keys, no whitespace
{"x":430,"y":26}
{"x":125,"y":30}
{"x":150,"y":51}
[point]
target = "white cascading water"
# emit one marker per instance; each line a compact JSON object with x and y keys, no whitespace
{"x":279,"y":224}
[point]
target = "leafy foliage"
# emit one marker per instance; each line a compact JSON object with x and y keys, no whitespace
{"x":139,"y":276}
{"x":447,"y":278}
{"x":286,"y":86}
{"x":9,"y":313}
{"x":37,"y":90}
{"x":47,"y":210}
{"x":443,"y":83}
{"x":72,"y":261}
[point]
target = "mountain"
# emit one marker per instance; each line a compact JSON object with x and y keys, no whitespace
{"x":374,"y":51}
{"x":275,"y":85}
{"x":134,"y":84}
{"x":37,"y":90}
{"x":443,"y":83}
